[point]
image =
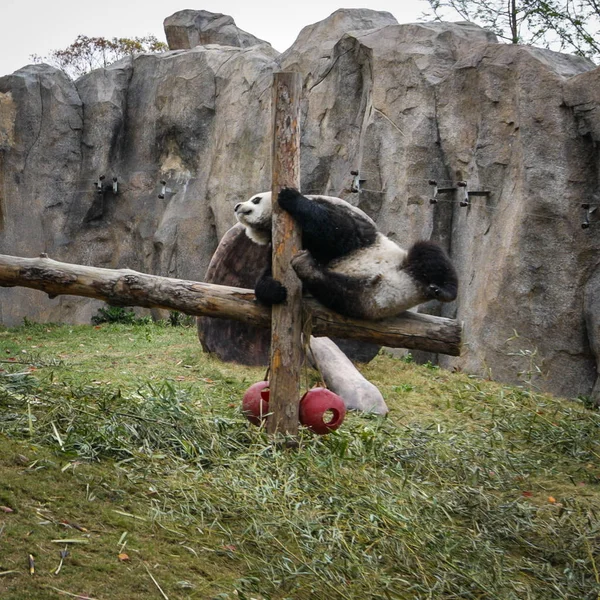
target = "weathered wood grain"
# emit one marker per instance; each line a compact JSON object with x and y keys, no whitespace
{"x":286,"y":325}
{"x":124,"y":287}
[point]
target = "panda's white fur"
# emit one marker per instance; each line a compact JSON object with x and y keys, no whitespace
{"x":255,"y":215}
{"x":387,"y":287}
{"x":393,"y":289}
{"x":347,"y":264}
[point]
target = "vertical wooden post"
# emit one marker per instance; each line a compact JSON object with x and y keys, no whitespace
{"x":286,"y":320}
{"x":2,"y":190}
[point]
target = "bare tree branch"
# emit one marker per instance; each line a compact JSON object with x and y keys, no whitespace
{"x":564,"y":25}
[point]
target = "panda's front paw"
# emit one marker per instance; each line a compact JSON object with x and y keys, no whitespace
{"x":304,"y":264}
{"x":287,"y":198}
{"x":269,"y":291}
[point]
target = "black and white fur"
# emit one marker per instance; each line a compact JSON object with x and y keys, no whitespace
{"x":347,"y":264}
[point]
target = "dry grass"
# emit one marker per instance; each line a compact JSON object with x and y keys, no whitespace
{"x":467,"y":490}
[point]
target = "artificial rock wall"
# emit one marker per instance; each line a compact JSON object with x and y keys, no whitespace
{"x":403,"y":104}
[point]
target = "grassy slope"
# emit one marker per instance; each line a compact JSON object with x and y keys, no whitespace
{"x":128,"y":440}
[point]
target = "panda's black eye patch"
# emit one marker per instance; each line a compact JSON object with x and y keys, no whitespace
{"x":256,"y":200}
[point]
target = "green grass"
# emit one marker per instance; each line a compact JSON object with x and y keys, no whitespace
{"x":128,"y":440}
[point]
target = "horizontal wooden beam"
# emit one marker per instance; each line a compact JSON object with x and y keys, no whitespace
{"x":124,"y":287}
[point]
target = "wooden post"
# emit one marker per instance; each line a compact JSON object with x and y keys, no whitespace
{"x":286,"y":319}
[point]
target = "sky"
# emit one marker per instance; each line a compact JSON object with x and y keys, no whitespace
{"x":38,"y":26}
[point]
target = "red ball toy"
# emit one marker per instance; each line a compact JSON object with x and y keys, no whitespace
{"x":313,"y":408}
{"x":255,"y":403}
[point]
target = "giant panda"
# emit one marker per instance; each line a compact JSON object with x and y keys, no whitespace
{"x":346,"y":264}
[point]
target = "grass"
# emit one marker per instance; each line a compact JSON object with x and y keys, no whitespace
{"x":125,"y":460}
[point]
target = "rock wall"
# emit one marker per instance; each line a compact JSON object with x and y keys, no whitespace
{"x":404,"y":104}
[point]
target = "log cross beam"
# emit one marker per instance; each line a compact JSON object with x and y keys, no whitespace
{"x":125,"y":287}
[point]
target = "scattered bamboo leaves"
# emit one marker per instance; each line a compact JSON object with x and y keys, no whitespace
{"x":63,"y":554}
{"x":162,"y":593}
{"x":70,"y":594}
{"x":126,"y":514}
{"x":467,"y":490}
{"x":122,"y":541}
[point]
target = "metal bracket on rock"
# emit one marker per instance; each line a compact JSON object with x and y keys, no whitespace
{"x":102,"y":186}
{"x":465,"y":201}
{"x":589,"y":211}
{"x":357,"y":182}
{"x":439,"y":190}
{"x":164,"y":190}
{"x":466,"y":196}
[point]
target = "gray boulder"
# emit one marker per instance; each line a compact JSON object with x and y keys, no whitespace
{"x":135,"y":121}
{"x":521,"y":252}
{"x":313,"y":48}
{"x":591,"y":313}
{"x":41,"y":124}
{"x":189,"y":28}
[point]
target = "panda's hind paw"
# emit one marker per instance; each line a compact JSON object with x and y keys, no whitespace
{"x":431,"y":267}
{"x":304,"y":264}
{"x":446,"y":293}
{"x":269,"y":291}
{"x":434,"y":291}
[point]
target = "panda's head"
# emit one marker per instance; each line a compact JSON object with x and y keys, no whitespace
{"x":255,"y":215}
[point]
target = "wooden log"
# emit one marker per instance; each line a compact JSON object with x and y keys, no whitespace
{"x":124,"y":287}
{"x":343,"y":378}
{"x":410,"y":330}
{"x":286,"y":319}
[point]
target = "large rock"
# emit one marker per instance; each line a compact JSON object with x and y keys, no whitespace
{"x":311,"y":53}
{"x":591,"y":313}
{"x":184,"y":118}
{"x":41,"y":124}
{"x":523,"y":257}
{"x":189,"y":28}
{"x":402,"y":104}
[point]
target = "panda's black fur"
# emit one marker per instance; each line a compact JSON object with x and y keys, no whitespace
{"x":346,"y":263}
{"x":329,"y":230}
